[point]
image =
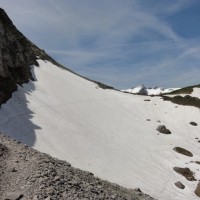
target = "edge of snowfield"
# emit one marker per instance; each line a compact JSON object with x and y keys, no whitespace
{"x":106,"y":132}
{"x":195,"y":93}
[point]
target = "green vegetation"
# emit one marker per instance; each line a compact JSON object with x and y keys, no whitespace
{"x":186,"y":100}
{"x":186,"y":90}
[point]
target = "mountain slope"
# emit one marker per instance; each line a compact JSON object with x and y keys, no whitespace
{"x":30,"y":174}
{"x":17,"y":54}
{"x":105,"y":131}
{"x":110,"y":133}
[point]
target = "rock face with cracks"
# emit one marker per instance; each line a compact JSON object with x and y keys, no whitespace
{"x":17,"y":55}
{"x":28,"y":174}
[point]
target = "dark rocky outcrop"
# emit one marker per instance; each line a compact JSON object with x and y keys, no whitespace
{"x":183,"y":151}
{"x":163,"y":129}
{"x":3,"y":149}
{"x":186,"y":172}
{"x":186,"y":100}
{"x":193,"y":123}
{"x":17,"y":54}
{"x":179,"y":185}
{"x":39,"y":176}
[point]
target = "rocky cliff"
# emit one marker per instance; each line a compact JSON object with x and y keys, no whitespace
{"x":17,"y":54}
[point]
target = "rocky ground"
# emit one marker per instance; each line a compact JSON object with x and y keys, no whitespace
{"x":28,"y":174}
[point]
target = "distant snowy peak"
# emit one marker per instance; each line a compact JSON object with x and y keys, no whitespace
{"x":142,"y":90}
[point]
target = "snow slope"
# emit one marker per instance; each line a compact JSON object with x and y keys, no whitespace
{"x":196,"y":93}
{"x":105,"y":131}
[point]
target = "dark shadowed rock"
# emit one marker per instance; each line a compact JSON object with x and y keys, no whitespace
{"x":17,"y":55}
{"x":179,"y":185}
{"x":197,"y":191}
{"x":3,"y":149}
{"x":163,"y":129}
{"x":183,"y":151}
{"x":14,"y":196}
{"x":193,"y":123}
{"x":186,"y":172}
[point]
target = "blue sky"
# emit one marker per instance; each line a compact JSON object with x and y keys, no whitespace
{"x":119,"y":42}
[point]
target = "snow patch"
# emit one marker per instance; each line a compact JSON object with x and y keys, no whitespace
{"x":105,"y":131}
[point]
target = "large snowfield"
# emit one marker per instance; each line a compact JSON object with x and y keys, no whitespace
{"x":107,"y":132}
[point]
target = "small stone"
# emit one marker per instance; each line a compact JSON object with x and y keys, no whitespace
{"x":179,"y":185}
{"x":35,"y":197}
{"x":50,"y":190}
{"x":113,"y":196}
{"x":193,"y":123}
{"x":40,"y":180}
{"x":56,"y":178}
{"x":48,"y":198}
{"x":14,"y":170}
{"x":138,"y":190}
{"x":183,"y":151}
{"x":41,"y":187}
{"x":14,"y":196}
{"x":22,"y":187}
{"x":163,"y":129}
{"x":64,"y":194}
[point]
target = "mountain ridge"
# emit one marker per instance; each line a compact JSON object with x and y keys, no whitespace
{"x":126,"y":139}
{"x":142,"y":90}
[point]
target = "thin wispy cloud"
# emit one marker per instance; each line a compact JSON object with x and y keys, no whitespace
{"x":121,"y":43}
